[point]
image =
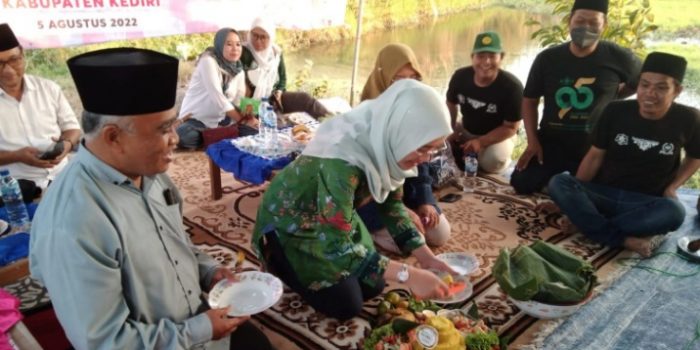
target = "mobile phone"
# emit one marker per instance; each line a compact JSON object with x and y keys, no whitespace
{"x":52,"y":152}
{"x":450,"y":197}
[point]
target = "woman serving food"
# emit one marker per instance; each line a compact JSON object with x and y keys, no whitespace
{"x":308,"y":232}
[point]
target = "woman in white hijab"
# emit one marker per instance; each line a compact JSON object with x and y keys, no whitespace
{"x":266,"y":74}
{"x":307,"y":231}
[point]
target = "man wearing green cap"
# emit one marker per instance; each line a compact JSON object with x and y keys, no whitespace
{"x":624,"y":192}
{"x":107,"y":240}
{"x":489,"y":99}
{"x":577,"y":79}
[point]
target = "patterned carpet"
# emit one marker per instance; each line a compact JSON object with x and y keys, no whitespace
{"x":482,"y":223}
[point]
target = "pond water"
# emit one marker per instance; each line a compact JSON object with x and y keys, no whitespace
{"x":441,"y":48}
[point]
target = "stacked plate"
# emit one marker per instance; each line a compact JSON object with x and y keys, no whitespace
{"x":546,"y":311}
{"x":253,"y":292}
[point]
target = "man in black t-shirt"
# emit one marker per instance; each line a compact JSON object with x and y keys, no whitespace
{"x":489,"y":99}
{"x":577,"y":79}
{"x":624,"y":192}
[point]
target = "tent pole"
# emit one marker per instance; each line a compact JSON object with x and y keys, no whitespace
{"x":356,"y":56}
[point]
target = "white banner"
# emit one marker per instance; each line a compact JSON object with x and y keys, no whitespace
{"x":59,"y":23}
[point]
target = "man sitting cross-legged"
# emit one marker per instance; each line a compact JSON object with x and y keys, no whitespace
{"x":624,"y":192}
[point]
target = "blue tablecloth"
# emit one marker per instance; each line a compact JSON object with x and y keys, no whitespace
{"x":16,"y":246}
{"x":243,"y":165}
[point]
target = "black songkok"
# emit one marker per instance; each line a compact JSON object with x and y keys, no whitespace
{"x":7,"y":38}
{"x":665,"y":63}
{"x":595,"y":5}
{"x":125,"y":81}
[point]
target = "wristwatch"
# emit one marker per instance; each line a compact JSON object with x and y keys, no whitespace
{"x":402,"y":275}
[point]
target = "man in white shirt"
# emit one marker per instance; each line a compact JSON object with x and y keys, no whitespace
{"x":35,"y":119}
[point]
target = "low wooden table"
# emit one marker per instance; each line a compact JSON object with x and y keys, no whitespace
{"x":14,"y":271}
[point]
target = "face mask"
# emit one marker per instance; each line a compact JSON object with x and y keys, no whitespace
{"x":583,"y":38}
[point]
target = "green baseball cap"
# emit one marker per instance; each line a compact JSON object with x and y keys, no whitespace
{"x":487,"y":42}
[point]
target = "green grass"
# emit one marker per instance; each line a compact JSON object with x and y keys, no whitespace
{"x":676,"y":15}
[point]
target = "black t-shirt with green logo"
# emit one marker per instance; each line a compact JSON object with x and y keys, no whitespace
{"x":485,"y":108}
{"x":643,"y":155}
{"x":576,"y":89}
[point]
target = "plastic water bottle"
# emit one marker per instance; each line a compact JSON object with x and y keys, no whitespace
{"x":271,"y":127}
{"x":262,"y":110}
{"x":14,"y":205}
{"x":471,"y":167}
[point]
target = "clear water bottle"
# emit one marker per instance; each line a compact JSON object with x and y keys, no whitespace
{"x":262,"y":109}
{"x":270,"y":126}
{"x":471,"y":167}
{"x":14,"y":204}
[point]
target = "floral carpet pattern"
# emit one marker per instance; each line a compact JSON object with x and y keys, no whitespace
{"x":483,"y":222}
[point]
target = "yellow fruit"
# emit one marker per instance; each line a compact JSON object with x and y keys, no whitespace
{"x":383,"y":307}
{"x":448,"y":279}
{"x":393,"y":298}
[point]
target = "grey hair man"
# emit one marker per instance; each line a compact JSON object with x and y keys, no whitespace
{"x":107,"y":240}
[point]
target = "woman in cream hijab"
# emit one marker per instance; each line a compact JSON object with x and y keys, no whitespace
{"x":266,"y":74}
{"x":307,"y":231}
{"x":396,"y":62}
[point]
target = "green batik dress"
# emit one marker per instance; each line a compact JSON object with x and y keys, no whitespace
{"x":311,"y":205}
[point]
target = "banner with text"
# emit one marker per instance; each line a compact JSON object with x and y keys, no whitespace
{"x":58,"y":23}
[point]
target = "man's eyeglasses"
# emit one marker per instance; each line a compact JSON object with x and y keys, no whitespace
{"x":262,"y":37}
{"x":14,"y":62}
{"x":433,"y":152}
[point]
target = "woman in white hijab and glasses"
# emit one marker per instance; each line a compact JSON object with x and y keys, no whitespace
{"x":308,"y":232}
{"x":266,"y":75}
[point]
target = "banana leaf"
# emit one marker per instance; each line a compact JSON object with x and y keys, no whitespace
{"x":543,"y":272}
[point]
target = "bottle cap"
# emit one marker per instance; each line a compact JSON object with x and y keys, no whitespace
{"x":4,"y":172}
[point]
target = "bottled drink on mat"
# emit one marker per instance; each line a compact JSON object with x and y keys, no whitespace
{"x":271,"y":126}
{"x":471,"y":167}
{"x":262,"y":109}
{"x":17,"y":214}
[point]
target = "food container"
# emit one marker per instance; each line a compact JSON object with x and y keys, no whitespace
{"x":683,"y":248}
{"x":548,"y":311}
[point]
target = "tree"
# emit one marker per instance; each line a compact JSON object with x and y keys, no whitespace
{"x":629,"y":23}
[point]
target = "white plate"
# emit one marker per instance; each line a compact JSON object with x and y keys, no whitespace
{"x":463,"y":263}
{"x":459,"y":297}
{"x":301,"y":118}
{"x":254,"y":292}
{"x":546,"y":311}
{"x":683,"y":246}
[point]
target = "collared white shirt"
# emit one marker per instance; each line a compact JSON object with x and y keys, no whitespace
{"x":42,"y":113}
{"x":204,"y":98}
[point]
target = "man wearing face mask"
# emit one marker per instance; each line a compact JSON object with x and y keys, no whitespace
{"x":577,"y":79}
